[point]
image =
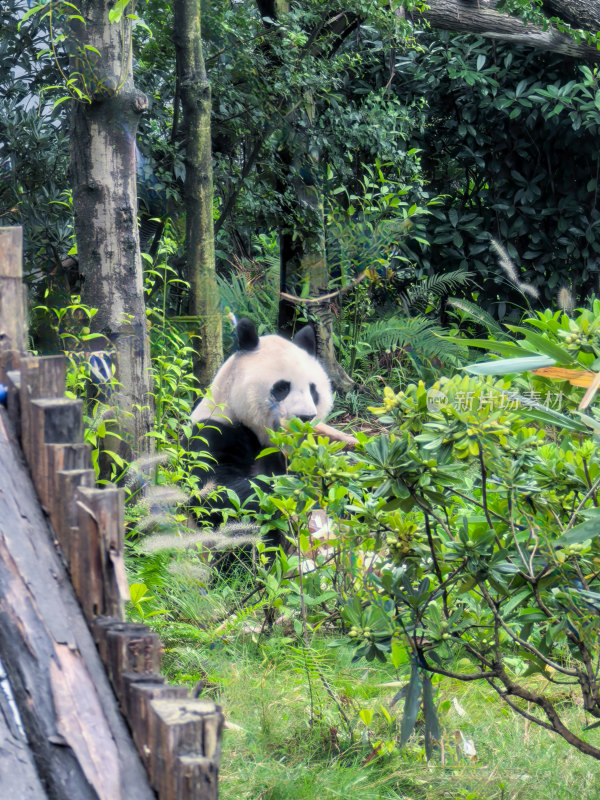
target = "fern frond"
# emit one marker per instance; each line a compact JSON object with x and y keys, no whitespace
{"x":418,"y":336}
{"x":478,"y":315}
{"x":435,"y":287}
{"x":248,"y":298}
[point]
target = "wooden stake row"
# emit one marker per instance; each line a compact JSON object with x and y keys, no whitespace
{"x":178,"y":738}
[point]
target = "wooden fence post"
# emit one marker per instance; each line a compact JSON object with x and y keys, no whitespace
{"x":185,"y":749}
{"x":96,"y":565}
{"x":41,"y":379}
{"x":178,"y":737}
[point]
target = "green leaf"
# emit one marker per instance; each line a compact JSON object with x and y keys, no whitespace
{"x":507,"y":366}
{"x":29,"y":13}
{"x":115,"y":13}
{"x":433,"y":731}
{"x":544,"y":346}
{"x":502,"y":348}
{"x":60,"y":100}
{"x":366,"y":714}
{"x":514,"y":601}
{"x":589,"y":529}
{"x":411,"y":705}
{"x":398,"y":653}
{"x":548,"y":416}
{"x":137,"y":592}
{"x":592,"y":423}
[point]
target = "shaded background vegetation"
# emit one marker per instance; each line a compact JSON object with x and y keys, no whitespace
{"x":505,"y":137}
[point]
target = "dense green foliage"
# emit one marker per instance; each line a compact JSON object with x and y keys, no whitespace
{"x":461,"y":534}
{"x":503,"y":137}
{"x":509,"y":136}
{"x":460,"y":540}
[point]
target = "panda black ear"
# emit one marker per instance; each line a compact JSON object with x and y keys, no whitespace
{"x":246,"y":334}
{"x":305,"y":338}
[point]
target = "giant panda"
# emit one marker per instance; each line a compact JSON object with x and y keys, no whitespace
{"x":268,"y":380}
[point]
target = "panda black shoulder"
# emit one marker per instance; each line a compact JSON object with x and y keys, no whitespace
{"x":233,"y":450}
{"x":224,"y":441}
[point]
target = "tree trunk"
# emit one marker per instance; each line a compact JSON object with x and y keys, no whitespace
{"x":306,"y":257}
{"x":313,"y":264}
{"x":198,"y":188}
{"x":481,"y":17}
{"x":103,"y":177}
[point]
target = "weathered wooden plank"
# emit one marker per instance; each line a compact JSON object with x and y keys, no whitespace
{"x":75,"y":730}
{"x":13,"y":334}
{"x":51,"y":421}
{"x":61,"y":458}
{"x":127,"y":648}
{"x":18,"y":776}
{"x":195,"y":778}
{"x":139,"y":691}
{"x":63,"y":514}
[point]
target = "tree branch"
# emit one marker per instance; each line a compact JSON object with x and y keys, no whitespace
{"x":483,"y":19}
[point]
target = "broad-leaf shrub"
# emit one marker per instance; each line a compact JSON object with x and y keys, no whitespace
{"x":464,"y":535}
{"x":492,"y":562}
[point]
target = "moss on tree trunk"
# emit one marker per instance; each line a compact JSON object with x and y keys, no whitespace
{"x":198,"y":188}
{"x":103,"y":178}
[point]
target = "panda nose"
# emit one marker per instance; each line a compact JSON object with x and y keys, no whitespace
{"x":306,"y":417}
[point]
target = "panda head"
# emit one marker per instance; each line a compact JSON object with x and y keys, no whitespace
{"x":268,"y":380}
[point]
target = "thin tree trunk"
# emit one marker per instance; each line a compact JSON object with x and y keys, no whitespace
{"x":313,"y":264}
{"x":308,"y":256}
{"x":198,"y":188}
{"x":103,"y":177}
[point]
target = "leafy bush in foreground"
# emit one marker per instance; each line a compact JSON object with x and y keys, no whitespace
{"x":466,"y":536}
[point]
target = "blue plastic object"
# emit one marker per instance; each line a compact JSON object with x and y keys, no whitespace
{"x":3,"y":394}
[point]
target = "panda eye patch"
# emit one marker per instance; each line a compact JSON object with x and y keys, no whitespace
{"x":314,"y":394}
{"x":280,"y":390}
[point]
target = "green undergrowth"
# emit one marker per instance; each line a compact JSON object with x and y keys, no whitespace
{"x":270,"y":687}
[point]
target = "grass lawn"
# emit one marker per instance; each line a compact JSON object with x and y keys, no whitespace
{"x":273,"y":752}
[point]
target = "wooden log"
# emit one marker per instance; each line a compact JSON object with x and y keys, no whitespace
{"x":18,"y":776}
{"x":195,"y":778}
{"x":13,"y":332}
{"x":99,"y":575}
{"x":52,"y":421}
{"x":185,"y":744}
{"x":130,"y":648}
{"x":63,"y":514}
{"x":78,"y":738}
{"x":40,"y":378}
